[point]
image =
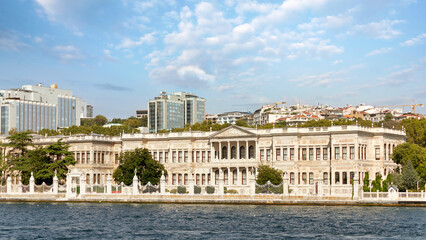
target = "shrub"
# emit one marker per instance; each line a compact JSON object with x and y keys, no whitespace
{"x":173,"y":191}
{"x":231,"y":191}
{"x":181,"y":189}
{"x":197,"y":189}
{"x":210,"y":189}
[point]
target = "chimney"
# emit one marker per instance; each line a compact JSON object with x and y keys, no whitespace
{"x":54,"y":85}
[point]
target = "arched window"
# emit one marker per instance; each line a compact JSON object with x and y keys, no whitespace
{"x":337,"y":177}
{"x":242,"y":152}
{"x":233,"y":152}
{"x":251,"y":152}
{"x":216,"y":177}
{"x":224,"y":152}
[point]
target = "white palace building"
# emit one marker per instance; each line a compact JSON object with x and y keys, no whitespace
{"x":325,"y":157}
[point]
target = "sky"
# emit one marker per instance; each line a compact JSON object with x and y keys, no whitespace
{"x":118,"y":54}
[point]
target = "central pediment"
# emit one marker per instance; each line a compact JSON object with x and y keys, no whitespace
{"x":233,"y":131}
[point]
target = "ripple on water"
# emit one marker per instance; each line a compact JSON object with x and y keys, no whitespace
{"x":157,"y":221}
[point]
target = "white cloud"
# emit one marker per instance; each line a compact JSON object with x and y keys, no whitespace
{"x":314,"y":47}
{"x":338,"y":21}
{"x":68,"y":53}
{"x":323,"y":80}
{"x":128,"y":43}
{"x":253,"y":6}
{"x":11,"y":41}
{"x":379,"y":30}
{"x":414,"y":41}
{"x":109,"y":57}
{"x":378,"y":52}
{"x":38,"y":39}
{"x":337,"y":61}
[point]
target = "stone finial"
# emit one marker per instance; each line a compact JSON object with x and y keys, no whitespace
{"x":136,"y":171}
{"x":56,"y":172}
{"x":162,"y":172}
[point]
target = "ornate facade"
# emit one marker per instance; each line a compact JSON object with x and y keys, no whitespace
{"x":327,"y":156}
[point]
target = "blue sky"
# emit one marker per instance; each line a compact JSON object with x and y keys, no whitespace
{"x":118,"y":54}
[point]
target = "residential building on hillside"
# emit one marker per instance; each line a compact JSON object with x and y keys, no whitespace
{"x":231,"y":117}
{"x":175,"y":111}
{"x":212,"y":118}
{"x":35,"y":107}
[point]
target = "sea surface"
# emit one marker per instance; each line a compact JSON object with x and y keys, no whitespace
{"x":188,"y":221}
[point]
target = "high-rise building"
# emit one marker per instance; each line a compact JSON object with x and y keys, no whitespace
{"x":35,"y":107}
{"x":175,"y":110}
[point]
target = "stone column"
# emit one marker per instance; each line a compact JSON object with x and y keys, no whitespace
{"x":55,"y":184}
{"x":191,"y":183}
{"x":68,"y":194}
{"x":135,"y":184}
{"x":109,"y":184}
{"x":9,"y":184}
{"x":238,"y":183}
{"x":296,"y":153}
{"x":238,"y":150}
{"x":221,"y":190}
{"x":220,"y":151}
{"x":228,"y":156}
{"x":83,"y":184}
{"x":247,"y":150}
{"x":162,"y":184}
{"x":229,"y":176}
{"x":320,"y":187}
{"x":252,"y":183}
{"x":32,"y":183}
{"x":285,"y":185}
{"x":356,"y":188}
{"x":211,"y":152}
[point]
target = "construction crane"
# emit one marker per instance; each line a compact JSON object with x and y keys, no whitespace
{"x":257,"y":104}
{"x":413,"y":106}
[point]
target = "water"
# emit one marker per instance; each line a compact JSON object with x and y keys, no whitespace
{"x":172,"y":221}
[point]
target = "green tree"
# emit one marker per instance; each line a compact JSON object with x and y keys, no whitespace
{"x":366,"y":185}
{"x":144,"y":121}
{"x":413,"y":153}
{"x":409,"y":177}
{"x":416,"y":131}
{"x":44,"y":161}
{"x":377,"y":184}
{"x":266,"y":173}
{"x":19,"y":142}
{"x":241,"y":123}
{"x":100,"y":120}
{"x":388,"y":117}
{"x":133,"y":122}
{"x":148,"y":170}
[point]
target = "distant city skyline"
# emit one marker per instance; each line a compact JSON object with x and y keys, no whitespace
{"x":118,"y":55}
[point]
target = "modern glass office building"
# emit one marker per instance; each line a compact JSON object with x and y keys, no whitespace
{"x":34,"y":107}
{"x":175,"y":110}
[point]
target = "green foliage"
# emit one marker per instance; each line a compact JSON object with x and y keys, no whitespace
{"x":409,"y":177}
{"x":413,"y":153}
{"x":366,"y":181}
{"x":241,"y":123}
{"x":230,"y":191}
{"x":148,"y":170}
{"x":18,"y":142}
{"x":388,"y":116}
{"x":203,"y":127}
{"x":197,"y":190}
{"x":377,"y":184}
{"x":133,"y":122}
{"x":99,"y":120}
{"x":209,"y":189}
{"x":108,"y":131}
{"x":416,"y":131}
{"x":181,"y":189}
{"x":173,"y":191}
{"x":266,"y":173}
{"x":42,"y":162}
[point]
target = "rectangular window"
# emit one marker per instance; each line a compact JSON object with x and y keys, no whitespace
{"x":174,"y":179}
{"x":318,"y":152}
{"x":204,"y":156}
{"x":303,"y":153}
{"x":197,"y":179}
{"x":292,"y":178}
{"x":166,"y":157}
{"x":161,"y":157}
{"x":292,"y":154}
{"x":377,"y":153}
{"x":180,"y":179}
{"x":209,"y":156}
{"x":336,"y":153}
{"x":116,"y":158}
{"x":180,"y":156}
{"x":336,"y":177}
{"x":278,"y":154}
{"x":268,"y":154}
{"x":262,"y":154}
{"x":198,"y":156}
{"x":311,"y":178}
{"x":203,"y":179}
{"x":311,"y":154}
{"x":285,"y":154}
{"x":186,"y":156}
{"x":345,"y":177}
{"x":155,"y":156}
{"x":344,"y":153}
{"x":325,"y":153}
{"x":78,"y":158}
{"x":352,"y":149}
{"x":174,"y":156}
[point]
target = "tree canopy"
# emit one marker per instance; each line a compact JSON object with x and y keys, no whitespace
{"x":147,"y":169}
{"x":266,"y":173}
